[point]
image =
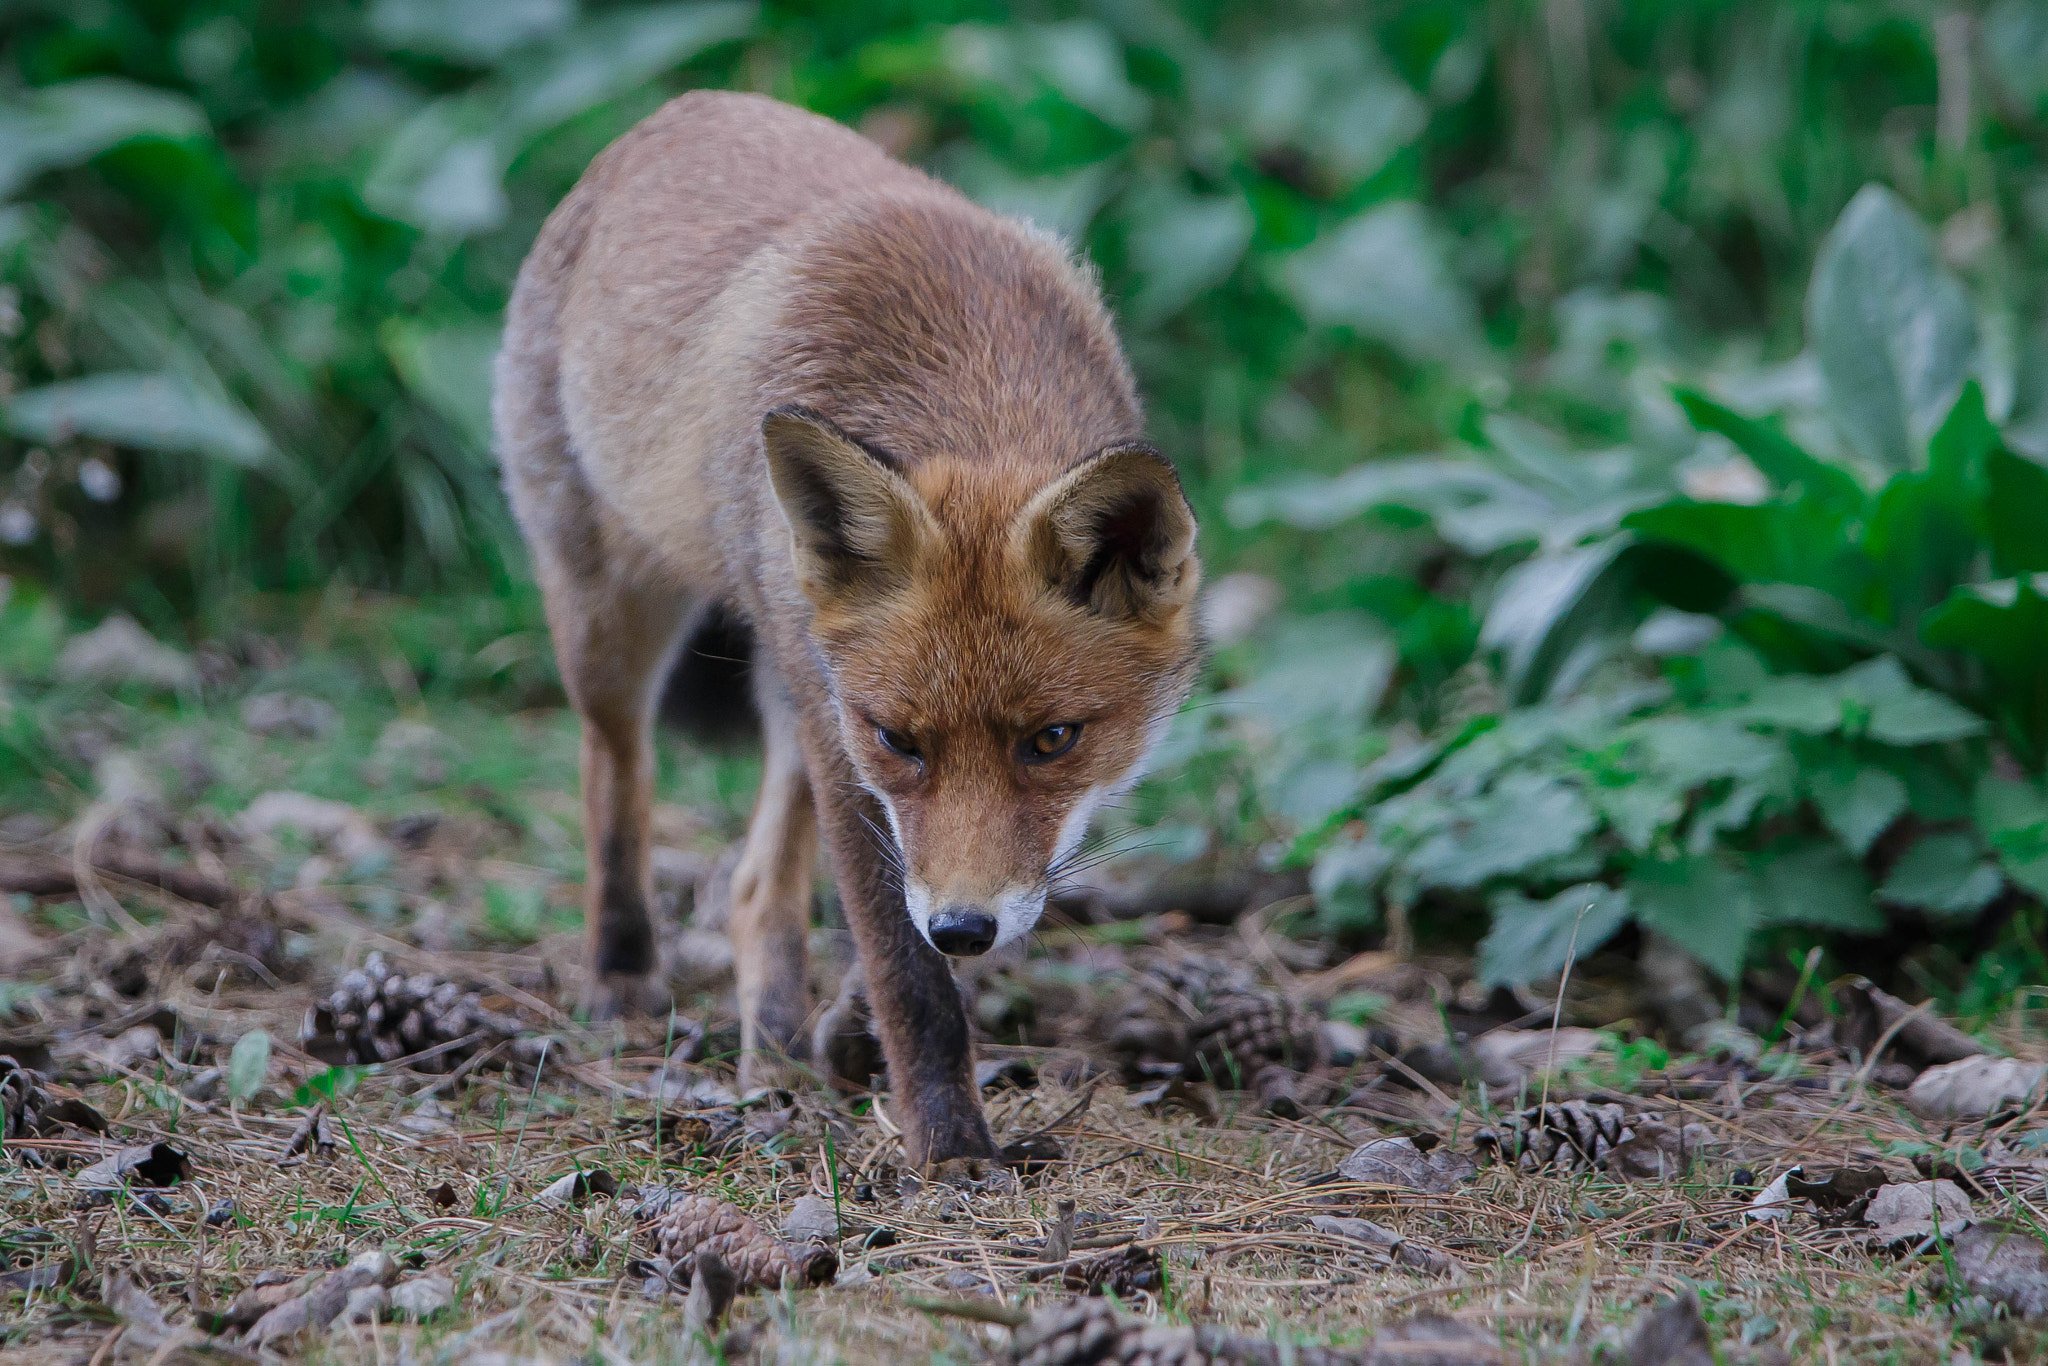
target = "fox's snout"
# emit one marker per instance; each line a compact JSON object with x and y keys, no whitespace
{"x":962,"y":931}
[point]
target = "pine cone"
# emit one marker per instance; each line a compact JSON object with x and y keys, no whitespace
{"x":1124,"y":1273}
{"x":1091,"y":1333}
{"x":378,"y":1015}
{"x":28,"y":1110}
{"x":1573,"y":1135}
{"x":1194,"y":978}
{"x":689,"y":1224}
{"x":1244,"y":1031}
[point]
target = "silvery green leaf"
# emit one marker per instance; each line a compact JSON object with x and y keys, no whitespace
{"x":2014,"y":817}
{"x":1544,"y":607}
{"x":1181,"y":244}
{"x":1895,"y":335}
{"x":448,"y":368}
{"x":162,"y":412}
{"x":1533,"y":939}
{"x":1702,"y":904}
{"x":248,"y":1064}
{"x":1332,"y":95}
{"x":1945,"y":874}
{"x":1384,"y":274}
{"x":2014,"y":44}
{"x":1084,"y":62}
{"x":1063,"y":204}
{"x":1458,"y":495}
{"x":1524,"y":820}
{"x":475,"y":32}
{"x":1857,"y":802}
{"x":612,"y":53}
{"x":53,"y":126}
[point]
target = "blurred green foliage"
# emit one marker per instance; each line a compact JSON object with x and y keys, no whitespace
{"x":1658,"y":510}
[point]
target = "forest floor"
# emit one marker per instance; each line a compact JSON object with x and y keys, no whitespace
{"x":199,"y":1164}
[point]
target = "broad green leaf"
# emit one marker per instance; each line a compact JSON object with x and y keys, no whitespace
{"x":1857,"y":802}
{"x":2016,"y":513}
{"x":1181,"y":244}
{"x":475,"y":32}
{"x":1894,"y":334}
{"x":1078,"y":58}
{"x":1384,"y":274}
{"x":1345,"y":881}
{"x":1064,"y":203}
{"x":2015,"y":50}
{"x":1474,"y":508}
{"x":330,"y":1085}
{"x":1796,"y":702}
{"x":1533,"y":939}
{"x":2014,"y":817}
{"x":1944,"y":874}
{"x":1804,"y":542}
{"x":1331,"y":95}
{"x":55,"y":126}
{"x":1702,"y":904}
{"x":248,"y":1064}
{"x":1781,"y":459}
{"x":1817,"y":885}
{"x":1524,"y":820}
{"x":1901,"y":713}
{"x":162,"y":412}
{"x":449,"y":369}
{"x":611,"y":53}
{"x":1546,"y":605}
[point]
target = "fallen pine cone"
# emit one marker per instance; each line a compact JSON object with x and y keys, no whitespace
{"x":1126,"y":1272}
{"x":1092,"y":1333}
{"x":1245,"y":1031}
{"x":28,"y":1110}
{"x":686,"y":1225}
{"x":378,"y":1015}
{"x":1583,"y":1135}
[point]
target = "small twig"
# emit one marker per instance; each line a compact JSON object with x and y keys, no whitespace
{"x":977,"y":1311}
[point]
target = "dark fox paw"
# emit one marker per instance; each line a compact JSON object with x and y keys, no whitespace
{"x":622,"y":996}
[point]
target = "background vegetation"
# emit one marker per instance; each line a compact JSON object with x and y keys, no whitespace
{"x":1640,"y":409}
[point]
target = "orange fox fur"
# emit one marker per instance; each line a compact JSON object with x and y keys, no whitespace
{"x":754,"y":365}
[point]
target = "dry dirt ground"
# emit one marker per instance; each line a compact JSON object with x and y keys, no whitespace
{"x":1256,"y":1134}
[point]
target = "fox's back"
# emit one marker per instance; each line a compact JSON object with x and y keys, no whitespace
{"x":732,"y":255}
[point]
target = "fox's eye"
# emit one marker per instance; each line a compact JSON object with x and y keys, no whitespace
{"x":1051,"y":742}
{"x":896,"y":742}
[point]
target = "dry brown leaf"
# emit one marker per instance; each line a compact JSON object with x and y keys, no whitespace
{"x":1977,"y":1088}
{"x":1402,"y":1250}
{"x":324,"y":1300}
{"x":1912,"y":1210}
{"x":1403,"y":1162}
{"x":573,"y":1188}
{"x":1672,"y":1334}
{"x":144,"y":1164}
{"x":1507,"y":1058}
{"x":2005,"y":1263}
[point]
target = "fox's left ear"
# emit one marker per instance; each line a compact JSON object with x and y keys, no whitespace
{"x":1116,"y":535}
{"x":855,"y":524}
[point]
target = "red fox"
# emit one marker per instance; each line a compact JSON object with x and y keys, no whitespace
{"x":755,"y":369}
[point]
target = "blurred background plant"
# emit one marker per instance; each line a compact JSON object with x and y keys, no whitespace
{"x":1619,"y":429}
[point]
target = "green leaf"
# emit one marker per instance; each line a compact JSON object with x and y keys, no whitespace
{"x":2013,"y":816}
{"x":1857,"y":802}
{"x":1331,"y":95}
{"x":1181,"y":244}
{"x":1533,"y":939}
{"x":1345,"y":882}
{"x":1524,"y":820}
{"x":162,"y":412}
{"x":54,"y":126}
{"x":1064,"y":203}
{"x":1781,"y":460}
{"x":449,"y":368}
{"x":614,"y":52}
{"x":1703,"y":905}
{"x":1817,"y":885}
{"x":1945,"y":875}
{"x":2015,"y":512}
{"x":1475,"y":509}
{"x":1895,"y":335}
{"x":472,"y":32}
{"x":2015,"y":48}
{"x":248,"y":1064}
{"x":1901,"y":713}
{"x":330,"y":1085}
{"x":1385,"y":275}
{"x":1547,"y":605}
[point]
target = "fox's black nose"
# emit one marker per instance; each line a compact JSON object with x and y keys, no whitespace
{"x":963,"y":931}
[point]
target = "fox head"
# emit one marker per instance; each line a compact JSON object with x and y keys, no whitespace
{"x":1001,"y":657}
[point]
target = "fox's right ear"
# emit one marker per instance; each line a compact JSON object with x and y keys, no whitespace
{"x":855,"y":524}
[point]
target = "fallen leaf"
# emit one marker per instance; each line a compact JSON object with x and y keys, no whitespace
{"x":1836,"y":1189}
{"x":1403,"y":1250}
{"x":1506,"y":1058}
{"x":148,"y":1164}
{"x":1031,"y":1156}
{"x":1672,"y":1334}
{"x":1977,"y":1088}
{"x":1197,"y":1098}
{"x":422,"y":1297}
{"x":325,"y":1298}
{"x":311,"y":1138}
{"x":119,"y":653}
{"x":1912,"y":1210}
{"x":2006,"y":1263}
{"x":812,"y":1218}
{"x":1015,"y":1073}
{"x":443,"y":1195}
{"x":1402,"y":1162}
{"x":1658,"y":1150}
{"x":1772,"y":1203}
{"x":1431,"y":1340}
{"x":345,"y":831}
{"x":573,"y":1188}
{"x":1871,"y":1013}
{"x":144,"y":1327}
